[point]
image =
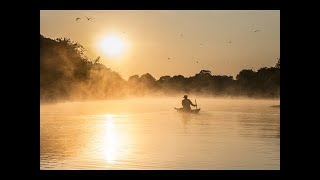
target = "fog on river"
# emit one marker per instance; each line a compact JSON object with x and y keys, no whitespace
{"x":148,"y":133}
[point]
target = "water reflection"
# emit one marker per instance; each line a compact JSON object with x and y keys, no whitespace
{"x":259,"y":125}
{"x":114,"y":140}
{"x":185,"y":118}
{"x":202,"y":118}
{"x":110,"y":139}
{"x":226,"y":135}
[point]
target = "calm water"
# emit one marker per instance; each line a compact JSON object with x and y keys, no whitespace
{"x":147,"y":133}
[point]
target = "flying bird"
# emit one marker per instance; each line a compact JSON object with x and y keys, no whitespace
{"x":77,"y":19}
{"x":257,"y":30}
{"x":88,"y":18}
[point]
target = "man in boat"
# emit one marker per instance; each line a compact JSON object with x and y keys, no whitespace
{"x":186,"y":103}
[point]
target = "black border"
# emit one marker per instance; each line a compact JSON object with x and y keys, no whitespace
{"x":32,"y":89}
{"x":161,"y":173}
{"x":161,"y":5}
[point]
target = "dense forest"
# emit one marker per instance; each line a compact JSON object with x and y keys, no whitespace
{"x":67,"y":73}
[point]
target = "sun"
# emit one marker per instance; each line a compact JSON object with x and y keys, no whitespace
{"x":112,"y":46}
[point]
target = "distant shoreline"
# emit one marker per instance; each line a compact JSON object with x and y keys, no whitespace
{"x":67,"y":74}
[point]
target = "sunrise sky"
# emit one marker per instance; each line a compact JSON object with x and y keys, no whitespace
{"x":171,"y":42}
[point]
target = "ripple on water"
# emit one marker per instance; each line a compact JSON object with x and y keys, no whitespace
{"x":224,"y":135}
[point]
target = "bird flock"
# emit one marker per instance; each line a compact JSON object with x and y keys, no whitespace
{"x":181,"y":35}
{"x":88,"y":18}
{"x":229,"y":42}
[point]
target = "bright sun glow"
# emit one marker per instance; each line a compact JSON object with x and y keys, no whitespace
{"x":112,"y":46}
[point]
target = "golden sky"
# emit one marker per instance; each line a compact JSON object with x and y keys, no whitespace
{"x":149,"y":37}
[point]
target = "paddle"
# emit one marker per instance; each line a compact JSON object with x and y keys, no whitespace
{"x":196,"y":103}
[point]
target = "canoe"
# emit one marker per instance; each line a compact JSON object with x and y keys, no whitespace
{"x":186,"y":111}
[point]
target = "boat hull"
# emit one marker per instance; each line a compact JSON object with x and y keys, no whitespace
{"x":193,"y":111}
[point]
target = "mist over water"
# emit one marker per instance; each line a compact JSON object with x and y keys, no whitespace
{"x":66,"y":73}
{"x":148,"y":133}
{"x":116,"y":110}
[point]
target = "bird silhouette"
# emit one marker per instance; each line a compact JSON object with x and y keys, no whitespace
{"x":78,"y":19}
{"x":257,"y":30}
{"x":88,"y":18}
{"x":97,"y":60}
{"x":197,"y":61}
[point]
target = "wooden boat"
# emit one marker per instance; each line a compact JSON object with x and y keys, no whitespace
{"x":194,"y":111}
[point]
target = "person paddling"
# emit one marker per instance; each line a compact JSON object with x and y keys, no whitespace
{"x":186,"y":103}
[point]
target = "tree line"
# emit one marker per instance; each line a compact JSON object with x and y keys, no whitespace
{"x":67,"y":73}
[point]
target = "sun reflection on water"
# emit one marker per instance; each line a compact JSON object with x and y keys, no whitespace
{"x":110,"y":140}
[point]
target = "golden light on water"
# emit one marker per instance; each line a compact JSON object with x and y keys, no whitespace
{"x":110,"y":120}
{"x":110,"y":140}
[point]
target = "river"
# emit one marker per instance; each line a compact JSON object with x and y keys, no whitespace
{"x":148,"y":133}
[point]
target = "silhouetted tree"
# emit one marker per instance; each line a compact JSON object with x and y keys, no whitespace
{"x":134,"y":78}
{"x":164,"y":79}
{"x":148,"y":81}
{"x":147,"y":78}
{"x":278,"y":64}
{"x":96,"y":60}
{"x":66,"y":71}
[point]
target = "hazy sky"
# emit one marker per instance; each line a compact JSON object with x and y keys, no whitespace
{"x":151,"y":37}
